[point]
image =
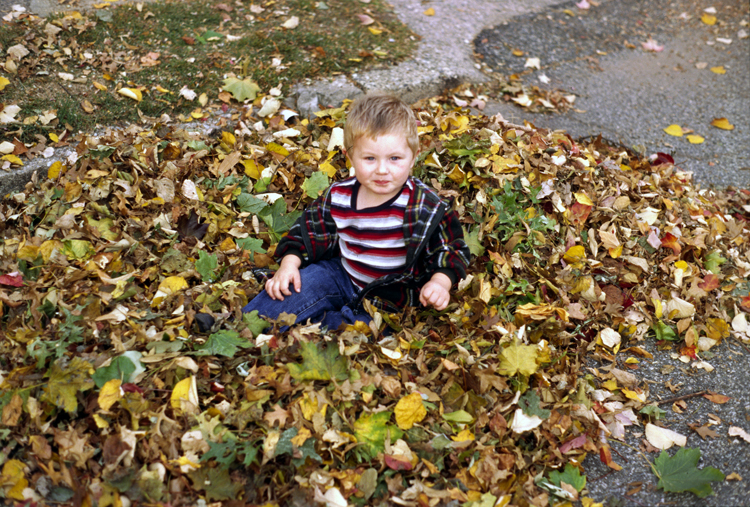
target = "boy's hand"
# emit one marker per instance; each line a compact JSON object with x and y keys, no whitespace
{"x":288,"y":274}
{"x":436,"y":292}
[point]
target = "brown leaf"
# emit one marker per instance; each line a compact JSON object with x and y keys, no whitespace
{"x":709,"y":283}
{"x":719,"y":399}
{"x":278,"y":416}
{"x":704,"y":431}
{"x":190,"y":41}
{"x":12,"y":411}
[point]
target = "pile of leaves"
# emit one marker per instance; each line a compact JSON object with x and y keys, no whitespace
{"x":582,"y":251}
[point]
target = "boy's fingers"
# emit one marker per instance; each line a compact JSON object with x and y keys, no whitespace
{"x":297,"y":282}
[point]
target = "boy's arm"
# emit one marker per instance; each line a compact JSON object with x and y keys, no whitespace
{"x":447,"y":253}
{"x":311,"y":235}
{"x":287,"y":274}
{"x":436,"y":292}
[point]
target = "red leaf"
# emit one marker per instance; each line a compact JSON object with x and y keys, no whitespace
{"x":396,"y":464}
{"x":745,"y":303}
{"x":14,"y":279}
{"x":719,"y":399}
{"x":131,"y":388}
{"x":691,"y":352}
{"x":579,"y":213}
{"x":575,"y":443}
{"x":661,"y":158}
{"x":606,"y":456}
{"x":709,"y":283}
{"x":671,"y":241}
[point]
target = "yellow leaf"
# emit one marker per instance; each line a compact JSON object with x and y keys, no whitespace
{"x":278,"y":149}
{"x":615,"y":252}
{"x":228,"y":138}
{"x":575,"y":255}
{"x":374,"y":30}
{"x":328,"y":168}
{"x":674,"y":130}
{"x":203,"y":99}
{"x":658,"y":308}
{"x":185,"y":396}
{"x":583,"y":199}
{"x":13,"y":159}
{"x":169,"y":286}
{"x":173,"y":284}
{"x":429,"y":12}
{"x":131,"y":93}
{"x":227,"y":245}
{"x":100,"y":86}
{"x":681,"y":265}
{"x":464,"y":436}
{"x":309,"y":406}
{"x":718,"y":70}
{"x":161,"y":89}
{"x":716,"y":329}
{"x":101,"y":422}
{"x":634,"y":395}
{"x":301,"y":437}
{"x":409,"y":411}
{"x":3,"y":83}
{"x":518,"y":359}
{"x":13,"y":474}
{"x":708,"y":19}
{"x":722,"y":123}
{"x":695,"y":139}
{"x":251,"y":169}
{"x":87,"y":106}
{"x":110,"y":394}
{"x":457,"y":174}
{"x":53,"y":137}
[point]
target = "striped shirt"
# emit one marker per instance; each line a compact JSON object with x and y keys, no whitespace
{"x":371,"y":240}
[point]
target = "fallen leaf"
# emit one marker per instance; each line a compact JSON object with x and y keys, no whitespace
{"x":722,"y":123}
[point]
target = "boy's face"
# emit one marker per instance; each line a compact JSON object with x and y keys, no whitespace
{"x":382,"y":166}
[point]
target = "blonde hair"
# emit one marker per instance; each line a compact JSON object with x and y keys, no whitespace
{"x":377,"y":114}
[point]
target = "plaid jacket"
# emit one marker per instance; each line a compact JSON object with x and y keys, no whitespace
{"x":434,"y":241}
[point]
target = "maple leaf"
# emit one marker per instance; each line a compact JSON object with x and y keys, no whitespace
{"x":66,"y":381}
{"x":679,"y":473}
{"x":372,"y":430}
{"x":319,"y":364}
{"x":241,"y":90}
{"x":518,"y":359}
{"x":190,"y":226}
{"x":709,"y":283}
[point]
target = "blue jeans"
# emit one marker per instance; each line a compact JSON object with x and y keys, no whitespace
{"x":325,"y":297}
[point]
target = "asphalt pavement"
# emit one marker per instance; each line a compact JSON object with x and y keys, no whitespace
{"x":628,"y":95}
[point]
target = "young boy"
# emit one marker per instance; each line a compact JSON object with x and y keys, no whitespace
{"x":382,"y":235}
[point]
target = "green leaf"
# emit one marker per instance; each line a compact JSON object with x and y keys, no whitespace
{"x":713,"y":261}
{"x":319,"y":364}
{"x":664,"y":331}
{"x":77,"y":249}
{"x":529,"y":403}
{"x":459,"y":416}
{"x":251,"y":454}
{"x":216,"y":482}
{"x":223,"y":453}
{"x":224,"y":343}
{"x":250,"y":204}
{"x":679,"y":473}
{"x":278,"y":219}
{"x":254,"y":322}
{"x":570,"y":475}
{"x":105,"y":226}
{"x":472,"y":241}
{"x":243,"y":90}
{"x":206,"y":266}
{"x":253,"y":245}
{"x":315,"y":184}
{"x":121,"y":368}
{"x":653,"y":411}
{"x":372,"y":429}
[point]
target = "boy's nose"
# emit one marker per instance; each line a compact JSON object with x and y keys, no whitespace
{"x":382,"y":168}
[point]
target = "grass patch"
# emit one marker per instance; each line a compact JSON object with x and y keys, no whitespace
{"x":77,"y":68}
